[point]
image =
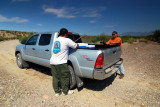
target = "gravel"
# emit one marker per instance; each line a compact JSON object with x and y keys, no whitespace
{"x":33,"y":87}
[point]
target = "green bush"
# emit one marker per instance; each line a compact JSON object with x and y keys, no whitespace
{"x":155,"y":37}
{"x":8,"y":31}
{"x":17,"y":36}
{"x":26,"y":38}
{"x":143,"y":40}
{"x":23,"y":39}
{"x":2,"y":39}
{"x":125,"y":38}
{"x":131,"y":40}
{"x":96,"y":39}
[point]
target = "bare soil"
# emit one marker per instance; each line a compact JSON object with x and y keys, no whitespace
{"x":33,"y":87}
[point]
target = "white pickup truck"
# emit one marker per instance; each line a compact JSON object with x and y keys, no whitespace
{"x":98,"y":62}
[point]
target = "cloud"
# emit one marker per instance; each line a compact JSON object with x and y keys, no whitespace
{"x":71,"y":12}
{"x":60,"y":13}
{"x":92,"y":21}
{"x":13,"y":19}
{"x":88,"y":12}
{"x":20,"y":0}
{"x":110,"y":26}
{"x":39,"y":24}
{"x":91,"y":13}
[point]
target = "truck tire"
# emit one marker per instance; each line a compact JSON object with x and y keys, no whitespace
{"x":73,"y":77}
{"x":20,"y":62}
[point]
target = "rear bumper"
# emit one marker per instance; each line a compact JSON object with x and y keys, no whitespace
{"x":101,"y":74}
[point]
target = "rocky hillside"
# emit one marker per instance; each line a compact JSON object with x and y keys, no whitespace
{"x":10,"y":34}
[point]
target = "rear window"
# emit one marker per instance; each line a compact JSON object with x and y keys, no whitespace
{"x":45,"y":39}
{"x":75,"y":38}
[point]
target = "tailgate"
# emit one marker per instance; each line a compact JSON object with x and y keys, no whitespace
{"x":111,"y":56}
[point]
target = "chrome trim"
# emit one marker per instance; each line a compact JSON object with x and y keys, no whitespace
{"x":101,"y":74}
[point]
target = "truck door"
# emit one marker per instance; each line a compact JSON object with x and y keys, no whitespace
{"x":43,"y":49}
{"x":30,"y":48}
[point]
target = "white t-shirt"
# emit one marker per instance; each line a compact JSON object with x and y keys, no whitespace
{"x":61,"y":50}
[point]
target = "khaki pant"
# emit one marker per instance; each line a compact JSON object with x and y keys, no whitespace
{"x":61,"y":78}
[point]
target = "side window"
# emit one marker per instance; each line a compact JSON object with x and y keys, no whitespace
{"x":32,"y":40}
{"x":45,"y":39}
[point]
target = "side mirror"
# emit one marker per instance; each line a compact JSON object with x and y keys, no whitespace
{"x":23,"y":42}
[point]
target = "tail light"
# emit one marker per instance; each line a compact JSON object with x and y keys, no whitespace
{"x":99,"y":61}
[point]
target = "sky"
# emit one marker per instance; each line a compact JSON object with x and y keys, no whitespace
{"x":86,"y":17}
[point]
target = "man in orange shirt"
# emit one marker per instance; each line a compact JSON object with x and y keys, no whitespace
{"x":117,"y":41}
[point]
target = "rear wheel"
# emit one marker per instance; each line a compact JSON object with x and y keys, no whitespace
{"x":73,"y":77}
{"x":20,"y":62}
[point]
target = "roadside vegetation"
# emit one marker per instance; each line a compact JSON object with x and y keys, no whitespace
{"x":155,"y":37}
{"x":92,"y":39}
{"x":26,"y":37}
{"x":129,"y":39}
{"x":3,"y":38}
{"x":15,"y":35}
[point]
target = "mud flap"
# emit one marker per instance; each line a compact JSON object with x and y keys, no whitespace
{"x":79,"y":82}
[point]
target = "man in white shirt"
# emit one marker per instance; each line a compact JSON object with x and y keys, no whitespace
{"x":58,"y":61}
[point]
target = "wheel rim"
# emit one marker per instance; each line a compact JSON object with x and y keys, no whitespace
{"x":19,"y":61}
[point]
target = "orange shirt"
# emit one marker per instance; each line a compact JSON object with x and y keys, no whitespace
{"x":116,"y":39}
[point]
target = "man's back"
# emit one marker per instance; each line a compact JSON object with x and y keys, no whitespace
{"x":60,"y":50}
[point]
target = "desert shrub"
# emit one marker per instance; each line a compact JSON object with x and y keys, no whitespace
{"x":19,"y":36}
{"x":155,"y":36}
{"x":8,"y":31}
{"x":2,"y":39}
{"x":125,"y":39}
{"x":96,"y":39}
{"x":103,"y":36}
{"x":143,"y":40}
{"x":89,"y":39}
{"x":26,"y":38}
{"x":131,"y":40}
{"x":23,"y":39}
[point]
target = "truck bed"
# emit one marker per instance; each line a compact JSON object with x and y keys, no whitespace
{"x":99,"y":46}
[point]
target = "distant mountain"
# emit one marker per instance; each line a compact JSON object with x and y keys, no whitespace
{"x":136,"y":33}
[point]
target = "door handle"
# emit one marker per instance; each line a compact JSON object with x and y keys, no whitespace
{"x":46,"y":50}
{"x":114,"y":52}
{"x":33,"y":48}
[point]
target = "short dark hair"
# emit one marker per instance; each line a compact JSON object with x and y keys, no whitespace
{"x":63,"y":31}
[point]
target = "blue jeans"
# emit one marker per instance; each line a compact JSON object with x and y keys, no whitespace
{"x":121,"y":69}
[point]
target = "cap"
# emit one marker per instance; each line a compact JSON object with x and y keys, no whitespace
{"x":114,"y":32}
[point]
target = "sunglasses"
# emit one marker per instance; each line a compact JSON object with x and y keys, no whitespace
{"x":113,"y":34}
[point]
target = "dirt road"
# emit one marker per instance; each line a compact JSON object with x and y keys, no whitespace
{"x":33,"y":87}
